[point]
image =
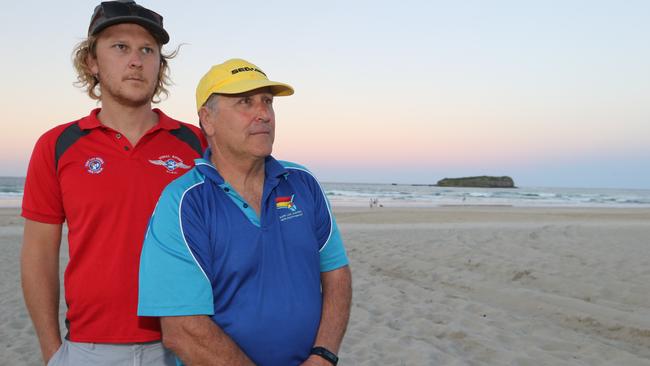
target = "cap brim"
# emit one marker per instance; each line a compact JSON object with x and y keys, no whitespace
{"x":243,"y":86}
{"x":156,"y":30}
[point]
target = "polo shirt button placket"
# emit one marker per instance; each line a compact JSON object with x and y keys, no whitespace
{"x":118,"y":136}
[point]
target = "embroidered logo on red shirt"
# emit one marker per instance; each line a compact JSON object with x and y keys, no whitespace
{"x":171,"y":163}
{"x":95,"y":165}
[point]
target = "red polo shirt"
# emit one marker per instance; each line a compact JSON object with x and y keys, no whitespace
{"x":90,"y":175}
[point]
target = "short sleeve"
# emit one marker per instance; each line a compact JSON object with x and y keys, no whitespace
{"x":172,"y":281}
{"x":42,"y":199}
{"x":332,"y":251}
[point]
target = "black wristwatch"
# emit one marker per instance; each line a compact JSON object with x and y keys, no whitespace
{"x":326,"y":354}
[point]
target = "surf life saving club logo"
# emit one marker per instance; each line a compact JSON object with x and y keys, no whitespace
{"x":94,"y":165}
{"x":286,"y":203}
{"x":171,"y":163}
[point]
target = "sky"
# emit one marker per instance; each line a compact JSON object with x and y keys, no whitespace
{"x":552,"y":93}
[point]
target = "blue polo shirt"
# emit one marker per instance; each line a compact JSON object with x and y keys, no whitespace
{"x":207,"y":252}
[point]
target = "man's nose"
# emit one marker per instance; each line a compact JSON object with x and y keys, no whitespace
{"x":264,"y":112}
{"x":136,"y":60}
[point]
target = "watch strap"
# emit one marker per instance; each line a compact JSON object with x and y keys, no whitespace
{"x":326,"y":354}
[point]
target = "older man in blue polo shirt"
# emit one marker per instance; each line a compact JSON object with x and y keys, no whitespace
{"x":243,"y":260}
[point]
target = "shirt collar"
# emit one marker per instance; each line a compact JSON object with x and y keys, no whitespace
{"x":164,"y":122}
{"x":272,"y":168}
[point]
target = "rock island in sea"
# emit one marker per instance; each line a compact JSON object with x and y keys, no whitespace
{"x":483,"y":181}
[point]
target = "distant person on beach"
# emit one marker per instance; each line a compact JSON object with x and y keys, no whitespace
{"x":103,"y":174}
{"x":238,"y":248}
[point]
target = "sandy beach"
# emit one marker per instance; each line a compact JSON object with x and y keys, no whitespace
{"x":464,"y":285}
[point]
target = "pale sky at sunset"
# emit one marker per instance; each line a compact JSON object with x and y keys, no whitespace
{"x":552,"y":93}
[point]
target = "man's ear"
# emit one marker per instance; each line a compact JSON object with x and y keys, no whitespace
{"x":91,"y":64}
{"x":205,"y":119}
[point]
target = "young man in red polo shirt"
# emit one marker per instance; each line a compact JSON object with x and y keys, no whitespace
{"x":102,"y":174}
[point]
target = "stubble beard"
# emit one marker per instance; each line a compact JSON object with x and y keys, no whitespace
{"x":124,"y":99}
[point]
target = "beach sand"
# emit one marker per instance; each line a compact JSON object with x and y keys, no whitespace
{"x":461,"y":286}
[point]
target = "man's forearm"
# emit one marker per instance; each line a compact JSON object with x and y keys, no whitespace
{"x":197,"y":340}
{"x":337,"y":297}
{"x":40,"y":282}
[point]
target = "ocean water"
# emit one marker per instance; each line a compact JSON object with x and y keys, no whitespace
{"x":11,"y":191}
{"x":404,"y":195}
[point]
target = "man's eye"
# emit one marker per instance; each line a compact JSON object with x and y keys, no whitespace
{"x":268,"y":100}
{"x":147,"y":50}
{"x":120,"y":46}
{"x":246,"y":100}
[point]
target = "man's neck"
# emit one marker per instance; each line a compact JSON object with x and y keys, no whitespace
{"x":131,"y":122}
{"x":245,"y":176}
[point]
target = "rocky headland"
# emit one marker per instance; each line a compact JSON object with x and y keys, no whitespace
{"x":483,"y":181}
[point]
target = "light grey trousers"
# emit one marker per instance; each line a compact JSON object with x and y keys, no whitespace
{"x":100,"y":354}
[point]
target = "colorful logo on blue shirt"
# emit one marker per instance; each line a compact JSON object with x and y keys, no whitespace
{"x":171,"y":163}
{"x":94,"y":165}
{"x":286,"y":202}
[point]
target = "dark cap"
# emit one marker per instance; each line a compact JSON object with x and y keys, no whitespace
{"x":127,"y":11}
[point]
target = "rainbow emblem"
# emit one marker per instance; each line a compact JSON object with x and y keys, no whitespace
{"x":285,"y":202}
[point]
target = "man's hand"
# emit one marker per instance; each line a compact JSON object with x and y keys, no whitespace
{"x":39,"y":266}
{"x":337,"y":299}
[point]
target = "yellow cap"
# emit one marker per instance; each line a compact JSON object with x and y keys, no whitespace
{"x":233,"y":77}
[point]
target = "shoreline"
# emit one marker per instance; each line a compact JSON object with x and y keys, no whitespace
{"x":343,"y":205}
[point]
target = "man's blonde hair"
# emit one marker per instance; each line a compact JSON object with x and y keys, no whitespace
{"x":86,"y":80}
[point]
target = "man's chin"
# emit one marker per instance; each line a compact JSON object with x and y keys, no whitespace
{"x":134,"y":101}
{"x":131,"y":97}
{"x":263,"y":153}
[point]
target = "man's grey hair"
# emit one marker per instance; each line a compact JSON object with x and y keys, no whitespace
{"x":211,"y":103}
